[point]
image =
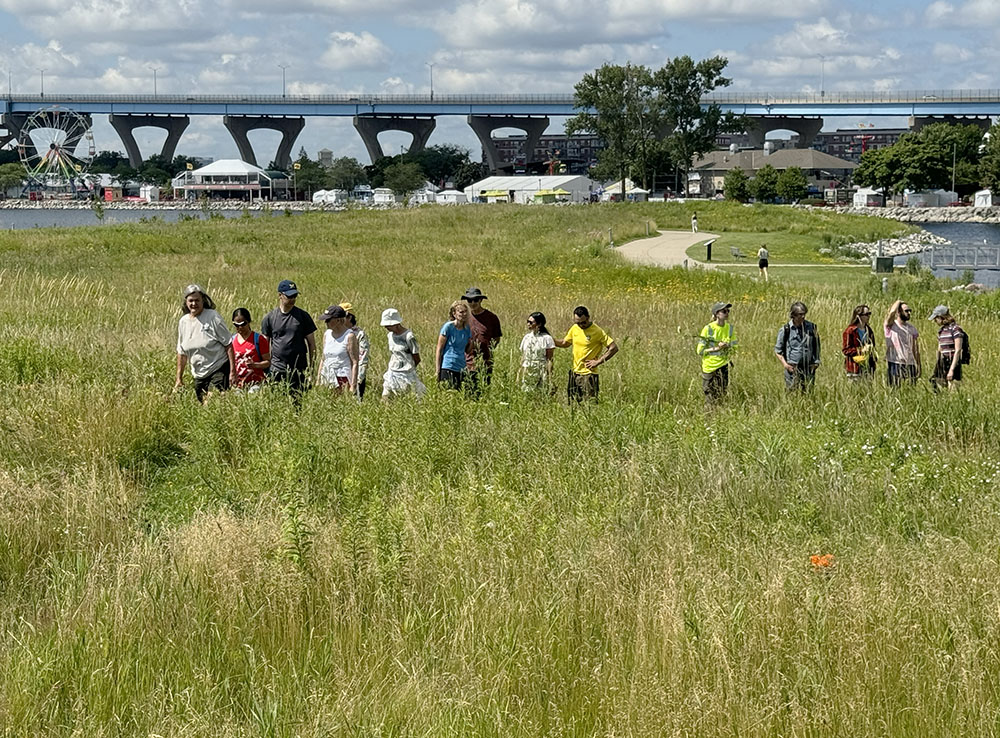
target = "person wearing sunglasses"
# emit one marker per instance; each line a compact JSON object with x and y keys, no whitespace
{"x":253,"y":353}
{"x":797,"y":348}
{"x":716,"y":345}
{"x":537,"y":348}
{"x":859,"y":345}
{"x":902,"y":351}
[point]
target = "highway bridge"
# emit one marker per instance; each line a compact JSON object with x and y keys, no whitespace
{"x":416,"y":114}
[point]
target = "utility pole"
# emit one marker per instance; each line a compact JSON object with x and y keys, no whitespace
{"x":41,"y":77}
{"x":954,"y":156}
{"x":430,"y":65}
{"x":155,"y":70}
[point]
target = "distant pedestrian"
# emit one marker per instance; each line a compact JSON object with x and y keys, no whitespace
{"x":252,"y":351}
{"x":858,"y":345}
{"x":400,"y":377}
{"x":902,"y":350}
{"x":762,"y":256}
{"x":291,"y":331}
{"x":485,"y":335}
{"x":364,"y":349}
{"x":203,"y":341}
{"x":716,"y":346}
{"x":694,"y":222}
{"x":537,"y":348}
{"x":591,"y":348}
{"x":449,"y":358}
{"x":798,"y":349}
{"x":951,"y":342}
{"x":338,"y":364}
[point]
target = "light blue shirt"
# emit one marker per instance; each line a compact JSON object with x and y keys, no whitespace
{"x":454,"y":349}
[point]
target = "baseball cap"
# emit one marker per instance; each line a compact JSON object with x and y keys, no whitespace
{"x":720,"y":306}
{"x":287,"y":288}
{"x":332,"y":312}
{"x":939,"y":312}
{"x":390,"y":316}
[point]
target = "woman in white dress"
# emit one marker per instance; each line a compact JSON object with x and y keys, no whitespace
{"x":537,"y":348}
{"x":400,"y":377}
{"x":338,"y":365}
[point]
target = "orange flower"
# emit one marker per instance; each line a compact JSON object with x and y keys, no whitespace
{"x":823,"y":561}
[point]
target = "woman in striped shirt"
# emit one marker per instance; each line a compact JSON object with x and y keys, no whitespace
{"x":948,"y":368}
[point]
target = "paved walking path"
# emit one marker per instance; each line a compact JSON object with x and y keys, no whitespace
{"x":669,"y":249}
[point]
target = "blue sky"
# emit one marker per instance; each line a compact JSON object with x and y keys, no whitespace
{"x":333,"y":46}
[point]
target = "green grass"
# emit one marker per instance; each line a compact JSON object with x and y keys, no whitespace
{"x":510,"y":566}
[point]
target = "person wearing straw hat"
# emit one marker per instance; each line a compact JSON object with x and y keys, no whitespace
{"x":204,"y":342}
{"x":400,"y":376}
{"x":716,"y":345}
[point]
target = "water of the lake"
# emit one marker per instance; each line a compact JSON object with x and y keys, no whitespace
{"x":963,"y":234}
{"x":53,"y":218}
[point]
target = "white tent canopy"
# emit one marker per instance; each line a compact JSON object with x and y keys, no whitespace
{"x":522,"y":189}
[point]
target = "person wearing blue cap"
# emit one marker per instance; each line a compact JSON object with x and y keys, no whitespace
{"x":291,"y":331}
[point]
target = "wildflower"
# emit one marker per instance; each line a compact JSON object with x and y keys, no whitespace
{"x":821,"y":561}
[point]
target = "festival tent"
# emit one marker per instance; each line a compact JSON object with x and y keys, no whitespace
{"x":451,"y":197}
{"x":522,"y":189}
{"x":986,"y":199}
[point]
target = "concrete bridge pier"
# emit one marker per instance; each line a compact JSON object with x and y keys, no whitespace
{"x":807,"y":128}
{"x":919,"y":121}
{"x":484,"y":125}
{"x":241,"y":125}
{"x":369,"y":126}
{"x":125,"y":126}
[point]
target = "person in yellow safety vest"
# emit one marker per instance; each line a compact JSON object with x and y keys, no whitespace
{"x":716,"y":346}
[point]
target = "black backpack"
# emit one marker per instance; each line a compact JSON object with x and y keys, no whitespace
{"x":966,"y":356}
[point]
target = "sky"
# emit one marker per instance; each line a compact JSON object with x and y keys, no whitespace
{"x":523,"y":46}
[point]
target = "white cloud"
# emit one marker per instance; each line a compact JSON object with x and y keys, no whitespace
{"x":951,"y":52}
{"x":972,"y":13}
{"x":347,"y":50}
{"x":105,"y":19}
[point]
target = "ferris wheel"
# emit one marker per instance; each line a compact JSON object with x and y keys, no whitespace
{"x":56,"y":147}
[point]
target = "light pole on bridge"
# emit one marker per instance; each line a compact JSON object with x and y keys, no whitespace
{"x":155,"y":70}
{"x":41,"y":78}
{"x":430,"y":65}
{"x":822,"y":75}
{"x":283,"y":67}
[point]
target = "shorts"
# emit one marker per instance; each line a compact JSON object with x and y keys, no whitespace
{"x":583,"y":386}
{"x":217,"y":380}
{"x":452,"y":379}
{"x":762,"y":264}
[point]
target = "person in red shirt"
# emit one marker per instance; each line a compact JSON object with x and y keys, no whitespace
{"x":253,"y":352}
{"x":485,"y":335}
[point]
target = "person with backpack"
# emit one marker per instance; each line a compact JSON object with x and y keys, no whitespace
{"x":953,"y":349}
{"x":797,"y":348}
{"x":715,"y":347}
{"x":253,"y":353}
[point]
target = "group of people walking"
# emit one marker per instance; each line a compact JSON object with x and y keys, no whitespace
{"x":797,"y":348}
{"x":284,"y":352}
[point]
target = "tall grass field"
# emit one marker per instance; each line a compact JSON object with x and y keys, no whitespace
{"x":509,"y":566}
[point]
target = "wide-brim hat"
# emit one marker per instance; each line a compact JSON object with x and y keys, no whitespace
{"x":390,"y":316}
{"x":474,"y":293}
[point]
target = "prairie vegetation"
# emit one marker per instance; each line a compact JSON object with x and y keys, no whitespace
{"x":504,"y":567}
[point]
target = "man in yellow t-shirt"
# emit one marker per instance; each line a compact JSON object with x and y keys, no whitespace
{"x":716,"y":345}
{"x":591,"y":348}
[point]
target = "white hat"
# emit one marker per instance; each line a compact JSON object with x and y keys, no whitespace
{"x":390,"y":316}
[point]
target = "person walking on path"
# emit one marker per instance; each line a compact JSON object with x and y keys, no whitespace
{"x":694,"y":222}
{"x":591,"y":348}
{"x":951,"y":342}
{"x":858,"y":345}
{"x":716,"y":346}
{"x":762,"y":260}
{"x":449,"y":358}
{"x":484,"y":337}
{"x":902,"y":351}
{"x":291,"y":331}
{"x":338,"y":364}
{"x":404,"y":355}
{"x":797,"y":348}
{"x":204,"y":341}
{"x":537,"y":348}
{"x":252,"y":351}
{"x":364,"y":349}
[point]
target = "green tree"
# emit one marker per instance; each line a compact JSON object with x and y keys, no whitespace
{"x":309,"y":176}
{"x":616,"y":104}
{"x":736,"y":185}
{"x":11,"y":176}
{"x":107,"y":162}
{"x":792,"y":184}
{"x":345,"y":173}
{"x":679,"y":86}
{"x":440,"y":163}
{"x":403,"y":177}
{"x":764,"y":186}
{"x":989,"y":164}
{"x":470,"y":172}
{"x":880,"y":169}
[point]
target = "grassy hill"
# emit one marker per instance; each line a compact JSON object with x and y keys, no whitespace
{"x":507,"y":566}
